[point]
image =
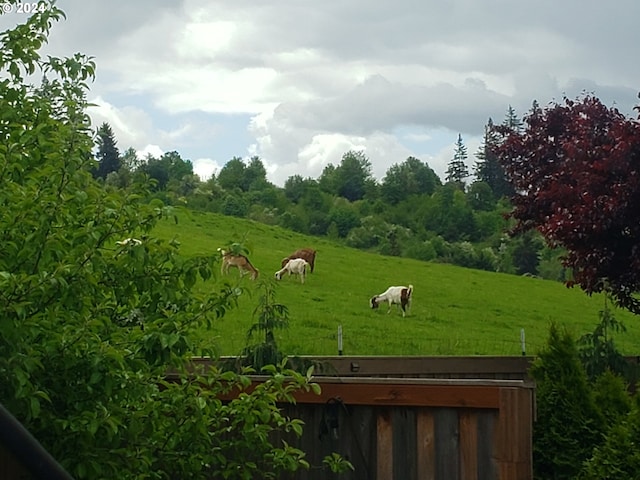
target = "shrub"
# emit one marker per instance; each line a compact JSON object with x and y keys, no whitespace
{"x":234,"y":205}
{"x":612,"y":397}
{"x":598,"y":351}
{"x":419,"y":250}
{"x":569,"y":424}
{"x":618,"y":457}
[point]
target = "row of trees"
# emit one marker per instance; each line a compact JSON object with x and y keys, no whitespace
{"x":352,"y":179}
{"x":410,"y":212}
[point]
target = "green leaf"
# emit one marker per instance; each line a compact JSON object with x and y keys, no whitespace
{"x":35,"y":407}
{"x":316,"y":388}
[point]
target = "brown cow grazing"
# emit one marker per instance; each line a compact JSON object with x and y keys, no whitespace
{"x":309,"y":254}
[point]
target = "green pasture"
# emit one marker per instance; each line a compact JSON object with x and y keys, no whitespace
{"x":455,"y":311}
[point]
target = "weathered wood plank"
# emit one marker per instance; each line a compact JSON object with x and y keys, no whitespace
{"x":409,"y":395}
{"x":468,"y":422}
{"x":480,"y":366}
{"x":487,"y":420}
{"x":384,"y":450}
{"x":513,"y":443}
{"x":404,"y":443}
{"x":425,"y":444}
{"x":362,"y":424}
{"x":387,"y":366}
{"x":447,"y":444}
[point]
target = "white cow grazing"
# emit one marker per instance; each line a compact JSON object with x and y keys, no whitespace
{"x":399,"y":295}
{"x":296,"y":266}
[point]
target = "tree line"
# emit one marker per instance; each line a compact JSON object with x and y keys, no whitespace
{"x":410,"y":212}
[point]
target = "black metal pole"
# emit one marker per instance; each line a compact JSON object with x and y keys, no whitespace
{"x":27,"y":450}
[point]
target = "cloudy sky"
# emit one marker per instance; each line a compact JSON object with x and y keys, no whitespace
{"x":301,"y":82}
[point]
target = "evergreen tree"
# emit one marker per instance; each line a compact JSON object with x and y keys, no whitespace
{"x":448,"y":214}
{"x":618,"y":456}
{"x":512,"y":121}
{"x":108,"y":155}
{"x":457,"y":170}
{"x":535,"y":106}
{"x":569,"y":423}
{"x":480,"y":196}
{"x":526,"y":253}
{"x":487,"y":168}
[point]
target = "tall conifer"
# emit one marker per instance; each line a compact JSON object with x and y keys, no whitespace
{"x":512,"y":121}
{"x":457,"y":170}
{"x":487,"y":168}
{"x":108,"y":155}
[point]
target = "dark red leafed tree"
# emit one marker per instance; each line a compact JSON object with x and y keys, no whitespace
{"x":576,"y":170}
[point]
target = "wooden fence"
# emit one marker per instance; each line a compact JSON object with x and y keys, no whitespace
{"x":418,"y":418}
{"x":406,"y":418}
{"x":402,"y":418}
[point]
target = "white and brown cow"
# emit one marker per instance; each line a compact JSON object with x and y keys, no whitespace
{"x":398,"y":295}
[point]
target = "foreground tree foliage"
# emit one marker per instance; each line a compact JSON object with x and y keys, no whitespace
{"x":618,"y":456}
{"x":576,"y":169}
{"x":90,"y":323}
{"x":569,"y":424}
{"x":586,"y":428}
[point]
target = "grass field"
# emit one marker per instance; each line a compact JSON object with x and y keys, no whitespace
{"x":455,"y":311}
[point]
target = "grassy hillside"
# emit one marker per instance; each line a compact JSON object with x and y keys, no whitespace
{"x":455,"y":311}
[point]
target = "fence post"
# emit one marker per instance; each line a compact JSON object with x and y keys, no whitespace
{"x":524,"y":350}
{"x":339,"y":339}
